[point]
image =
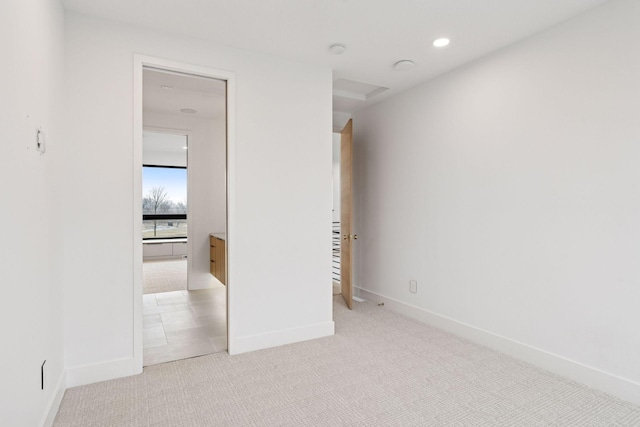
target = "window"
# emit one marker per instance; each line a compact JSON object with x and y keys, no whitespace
{"x":164,"y":202}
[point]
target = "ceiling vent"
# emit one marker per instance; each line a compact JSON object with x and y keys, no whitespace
{"x":356,"y":90}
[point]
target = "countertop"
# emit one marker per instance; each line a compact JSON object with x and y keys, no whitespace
{"x":221,"y":236}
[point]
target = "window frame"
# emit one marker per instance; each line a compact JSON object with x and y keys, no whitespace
{"x":161,"y":217}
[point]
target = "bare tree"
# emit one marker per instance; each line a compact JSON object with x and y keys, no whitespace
{"x":154,"y":202}
{"x":180,"y":208}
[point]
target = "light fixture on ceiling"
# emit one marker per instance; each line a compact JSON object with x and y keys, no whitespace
{"x":404,"y":65}
{"x":165,"y":87}
{"x":188,"y":111}
{"x":337,"y":49}
{"x":441,"y":42}
{"x":184,"y":148}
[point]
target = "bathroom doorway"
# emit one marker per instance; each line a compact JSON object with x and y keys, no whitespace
{"x":184,"y":204}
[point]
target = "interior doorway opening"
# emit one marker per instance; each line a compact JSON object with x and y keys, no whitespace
{"x":164,"y":211}
{"x":184,"y":204}
{"x":335,"y":225}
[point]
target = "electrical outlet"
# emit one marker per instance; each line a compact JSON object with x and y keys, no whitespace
{"x":413,"y":286}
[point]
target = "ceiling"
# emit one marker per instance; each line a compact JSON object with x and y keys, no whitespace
{"x":168,"y":93}
{"x":376,"y":33}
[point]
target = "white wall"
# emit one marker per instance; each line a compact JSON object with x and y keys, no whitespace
{"x":31,"y":42}
{"x":207,"y":186}
{"x":281,"y":267}
{"x":340,"y":120}
{"x":155,"y":152}
{"x":509,"y":189}
{"x":166,"y":158}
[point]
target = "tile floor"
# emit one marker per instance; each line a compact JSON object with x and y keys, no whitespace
{"x":183,"y":324}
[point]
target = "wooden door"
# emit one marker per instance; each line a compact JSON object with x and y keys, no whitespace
{"x":346,"y":223}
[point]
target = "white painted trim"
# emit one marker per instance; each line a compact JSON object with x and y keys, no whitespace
{"x":140,"y":61}
{"x":51,"y":410}
{"x":350,"y":95}
{"x":588,"y":375}
{"x":283,"y":337}
{"x":216,"y":284}
{"x":230,"y":247}
{"x":137,"y":212}
{"x":160,"y":241}
{"x":165,"y":258}
{"x":103,"y":371}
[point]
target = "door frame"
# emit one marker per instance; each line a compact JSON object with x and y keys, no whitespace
{"x":139,"y":63}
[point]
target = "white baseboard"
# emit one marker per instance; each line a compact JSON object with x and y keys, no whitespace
{"x":281,"y":337}
{"x":202,"y":280}
{"x":197,"y":285}
{"x":163,"y":258}
{"x":103,"y":371}
{"x":88,"y":374}
{"x":593,"y":377}
{"x":51,"y":410}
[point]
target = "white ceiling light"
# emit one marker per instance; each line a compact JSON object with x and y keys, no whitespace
{"x":166,"y":87}
{"x":404,"y":65}
{"x":188,"y":111}
{"x":337,"y":49}
{"x":184,"y":148}
{"x":442,"y":42}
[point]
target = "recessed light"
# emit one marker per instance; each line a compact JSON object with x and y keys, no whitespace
{"x":184,"y":148}
{"x":337,"y":49}
{"x":188,"y":111}
{"x":442,"y":42}
{"x":165,"y":87}
{"x":404,"y":65}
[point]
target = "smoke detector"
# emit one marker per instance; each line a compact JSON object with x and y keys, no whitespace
{"x":337,"y":49}
{"x":404,"y":65}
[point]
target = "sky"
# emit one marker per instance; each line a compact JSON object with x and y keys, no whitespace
{"x":173,"y":180}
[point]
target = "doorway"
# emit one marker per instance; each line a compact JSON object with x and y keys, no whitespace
{"x":164,"y":211}
{"x":184,"y":143}
{"x":335,"y":225}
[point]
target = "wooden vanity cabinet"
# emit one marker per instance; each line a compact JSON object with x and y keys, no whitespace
{"x":217,"y":254}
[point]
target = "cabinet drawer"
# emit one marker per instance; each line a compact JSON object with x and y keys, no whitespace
{"x":179,"y":248}
{"x":212,"y":253}
{"x":212,"y":267}
{"x":157,"y":249}
{"x":212,"y":241}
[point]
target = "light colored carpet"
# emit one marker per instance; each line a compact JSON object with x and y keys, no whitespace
{"x":380,"y":369}
{"x":164,"y":276}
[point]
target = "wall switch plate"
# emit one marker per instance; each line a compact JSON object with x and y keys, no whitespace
{"x":413,"y":286}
